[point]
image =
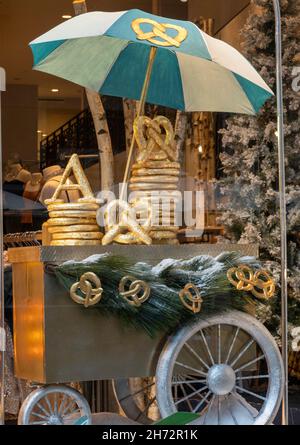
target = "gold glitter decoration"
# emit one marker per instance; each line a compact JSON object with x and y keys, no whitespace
{"x":158,"y":35}
{"x":71,"y":221}
{"x":90,"y":287}
{"x":74,"y":242}
{"x":127,"y":230}
{"x":157,"y":165}
{"x":155,"y":176}
{"x":73,"y":229}
{"x":259,"y":283}
{"x":191,"y":298}
{"x":159,"y":142}
{"x":74,"y":223}
{"x":78,"y":236}
{"x":73,"y":168}
{"x":135,"y":292}
{"x":73,"y":206}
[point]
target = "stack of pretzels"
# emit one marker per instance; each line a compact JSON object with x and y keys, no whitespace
{"x":154,"y":178}
{"x":73,"y":224}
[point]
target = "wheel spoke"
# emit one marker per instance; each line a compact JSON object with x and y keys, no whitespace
{"x":202,"y":401}
{"x":137,"y":392}
{"x":253,"y":377}
{"x":187,"y":381}
{"x":219,"y":410}
{"x":49,"y":405}
{"x":242,"y":352}
{"x":185,"y":394}
{"x":230,"y":411}
{"x":250,"y":363}
{"x":176,"y":393}
{"x":196,"y":355}
{"x":194,"y":389}
{"x":191,"y":395}
{"x":207,"y":347}
{"x":209,"y":408}
{"x":68,"y":407}
{"x":62,"y":404}
{"x":232,"y":345}
{"x":197,"y":371}
{"x":38,"y":423}
{"x":219,"y":344}
{"x":243,"y":403}
{"x":251,"y":393}
{"x":40,"y":416}
{"x":149,"y":403}
{"x":55,"y":404}
{"x":43,"y":409}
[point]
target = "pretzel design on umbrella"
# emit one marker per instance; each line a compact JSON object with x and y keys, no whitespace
{"x":152,"y":143}
{"x":159,"y":30}
{"x":137,"y":291}
{"x":260,"y":284}
{"x":92,"y":295}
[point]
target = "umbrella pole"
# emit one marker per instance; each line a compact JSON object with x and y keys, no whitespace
{"x":140,"y":111}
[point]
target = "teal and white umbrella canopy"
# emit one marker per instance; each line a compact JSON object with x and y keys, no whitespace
{"x":109,"y":53}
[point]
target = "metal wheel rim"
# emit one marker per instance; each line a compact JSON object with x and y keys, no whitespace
{"x":247,"y":324}
{"x":53,"y":405}
{"x":125,"y":396}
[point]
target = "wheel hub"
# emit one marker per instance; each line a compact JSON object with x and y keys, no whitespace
{"x":221,"y":379}
{"x":55,"y":420}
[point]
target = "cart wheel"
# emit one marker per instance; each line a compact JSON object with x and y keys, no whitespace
{"x":54,"y":405}
{"x":226,"y":368}
{"x":137,"y":398}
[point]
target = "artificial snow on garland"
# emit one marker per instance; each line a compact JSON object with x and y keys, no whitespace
{"x":163,"y":308}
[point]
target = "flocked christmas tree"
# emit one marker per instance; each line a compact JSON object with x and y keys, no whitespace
{"x":249,"y":188}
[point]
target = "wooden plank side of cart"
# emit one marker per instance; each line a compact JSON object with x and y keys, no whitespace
{"x":58,"y":341}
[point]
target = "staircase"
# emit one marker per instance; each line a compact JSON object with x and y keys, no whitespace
{"x":78,"y":136}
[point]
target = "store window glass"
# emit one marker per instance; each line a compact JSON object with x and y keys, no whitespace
{"x":141,"y":210}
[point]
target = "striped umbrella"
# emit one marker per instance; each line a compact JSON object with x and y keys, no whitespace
{"x":184,"y":68}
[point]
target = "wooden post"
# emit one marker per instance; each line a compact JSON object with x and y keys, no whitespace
{"x":100,"y":123}
{"x":130,"y":110}
{"x":181,"y":127}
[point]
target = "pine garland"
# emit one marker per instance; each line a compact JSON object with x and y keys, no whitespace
{"x":163,"y":311}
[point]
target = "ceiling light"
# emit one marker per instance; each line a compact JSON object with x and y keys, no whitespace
{"x":39,"y":131}
{"x":44,"y":135}
{"x":200,"y":149}
{"x":54,"y":90}
{"x":66,"y":16}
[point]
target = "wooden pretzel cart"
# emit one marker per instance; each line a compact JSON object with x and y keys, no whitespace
{"x":206,"y":366}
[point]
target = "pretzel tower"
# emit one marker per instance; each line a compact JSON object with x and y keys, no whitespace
{"x":72,"y":223}
{"x":154,"y":179}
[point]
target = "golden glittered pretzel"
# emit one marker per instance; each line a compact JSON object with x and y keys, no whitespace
{"x":127,"y":230}
{"x":92,"y":295}
{"x":159,"y":30}
{"x":191,"y":298}
{"x":260,"y":284}
{"x":137,"y":292}
{"x":155,"y":139}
